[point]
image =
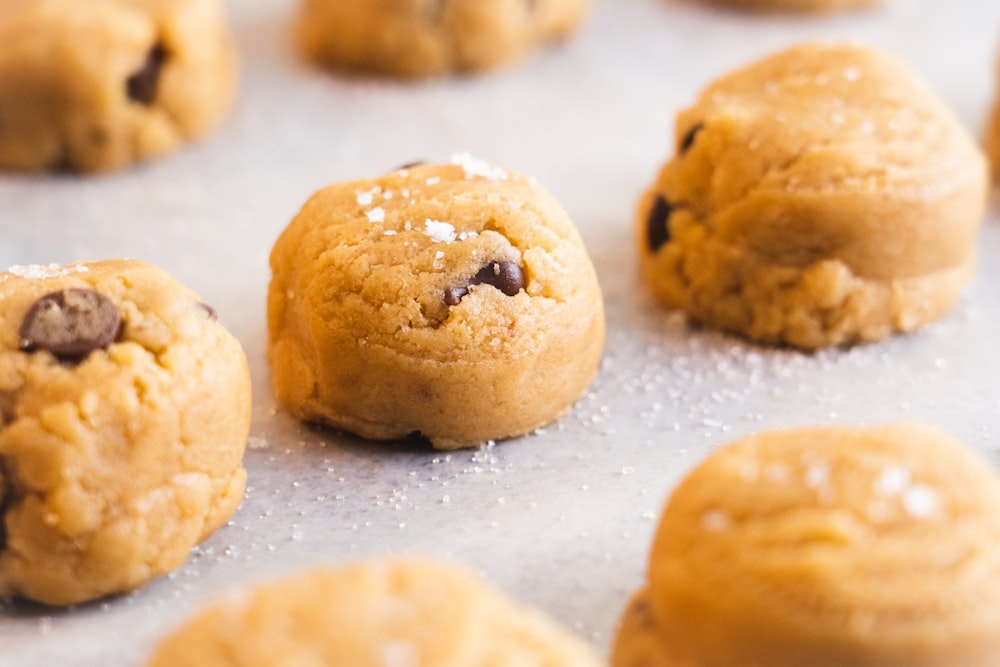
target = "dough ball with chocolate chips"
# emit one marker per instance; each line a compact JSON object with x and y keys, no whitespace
{"x":822,"y":196}
{"x":124,"y":414}
{"x":455,"y":301}
{"x":830,"y":546}
{"x":397,"y":612}
{"x":428,"y":37}
{"x":99,"y":85}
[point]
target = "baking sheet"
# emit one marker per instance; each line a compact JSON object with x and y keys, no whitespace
{"x":560,"y":519}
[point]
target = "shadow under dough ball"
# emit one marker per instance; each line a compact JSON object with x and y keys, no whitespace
{"x":452,"y":301}
{"x":822,"y":196}
{"x":100,"y":85}
{"x":827,"y":547}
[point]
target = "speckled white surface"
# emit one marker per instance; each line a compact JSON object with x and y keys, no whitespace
{"x":561,"y":519}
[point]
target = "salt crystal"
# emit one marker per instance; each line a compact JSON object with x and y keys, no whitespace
{"x":893,"y":480}
{"x":920,"y":501}
{"x":439,"y":231}
{"x":852,"y":74}
{"x":365,"y":197}
{"x":817,"y":475}
{"x":42,"y":271}
{"x":433,"y":180}
{"x":715,"y":521}
{"x":475,"y":167}
{"x":377,"y":214}
{"x":400,"y":654}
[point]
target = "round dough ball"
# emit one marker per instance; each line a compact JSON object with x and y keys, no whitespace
{"x":803,"y":6}
{"x":822,"y":196}
{"x":428,"y":37}
{"x":453,"y":301}
{"x":403,"y":611}
{"x":869,"y":547}
{"x":102,"y":84}
{"x":124,"y":414}
{"x":993,"y":135}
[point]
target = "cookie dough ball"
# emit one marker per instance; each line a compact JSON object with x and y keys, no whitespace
{"x":402,"y":611}
{"x":453,"y":301}
{"x":101,"y":84}
{"x":993,"y":135}
{"x":124,"y":413}
{"x":869,"y":547}
{"x":428,"y":37}
{"x":820,"y":197}
{"x":802,"y":6}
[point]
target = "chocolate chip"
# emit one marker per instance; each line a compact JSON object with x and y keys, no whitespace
{"x":657,"y":231}
{"x":141,"y":86}
{"x":70,"y":323}
{"x":688,"y":141}
{"x":209,"y":311}
{"x":505,"y":276}
{"x":410,"y":165}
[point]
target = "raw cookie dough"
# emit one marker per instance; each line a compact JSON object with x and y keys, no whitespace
{"x":868,"y":547}
{"x":797,"y":5}
{"x":993,"y":135}
{"x":427,"y":37}
{"x":403,"y":611}
{"x":822,"y":196}
{"x":454,"y":301}
{"x":101,"y":84}
{"x":124,"y":413}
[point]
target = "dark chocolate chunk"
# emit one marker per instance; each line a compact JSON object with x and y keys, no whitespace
{"x":209,"y":311}
{"x":410,"y":165}
{"x":141,"y":86}
{"x":505,"y":276}
{"x":657,"y":231}
{"x":453,"y":295}
{"x":70,"y":323}
{"x":688,"y":141}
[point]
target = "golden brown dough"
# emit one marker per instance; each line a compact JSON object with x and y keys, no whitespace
{"x":868,"y":547}
{"x":102,"y":84}
{"x":400,"y":612}
{"x":124,"y":413}
{"x":455,"y":301}
{"x":428,"y":37}
{"x":822,"y":196}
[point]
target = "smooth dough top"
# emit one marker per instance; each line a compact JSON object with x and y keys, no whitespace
{"x":830,"y":152}
{"x":869,"y":547}
{"x":404,"y":612}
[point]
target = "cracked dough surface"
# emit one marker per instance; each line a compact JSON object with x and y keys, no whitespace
{"x":861,"y":546}
{"x":360,"y":336}
{"x":427,"y":37}
{"x":113,"y":467}
{"x":821,"y":196}
{"x":403,"y":612}
{"x":64,"y":72}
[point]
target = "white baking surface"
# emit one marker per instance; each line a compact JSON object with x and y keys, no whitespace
{"x":560,"y":519}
